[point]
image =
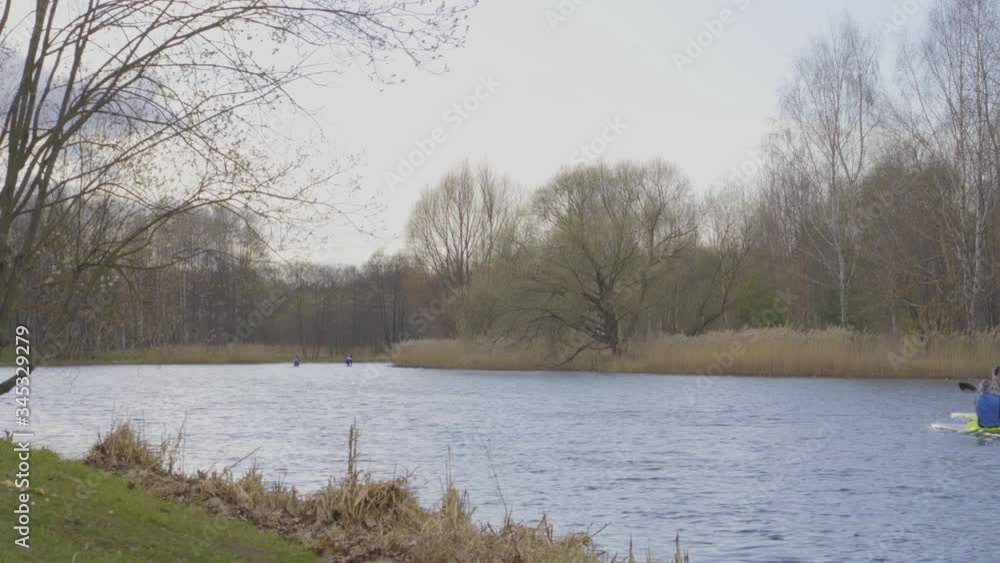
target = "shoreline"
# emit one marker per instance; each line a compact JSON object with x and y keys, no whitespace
{"x":244,"y":354}
{"x":734,"y":375}
{"x":127,"y":496}
{"x":502,"y":369}
{"x":777,"y":353}
{"x":98,"y":363}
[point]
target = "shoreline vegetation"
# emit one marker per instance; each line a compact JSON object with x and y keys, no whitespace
{"x":771,"y":352}
{"x":199,"y":355}
{"x":126,"y":500}
{"x":767,"y":352}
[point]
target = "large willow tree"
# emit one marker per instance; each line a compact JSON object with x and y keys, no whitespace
{"x":607,"y":235}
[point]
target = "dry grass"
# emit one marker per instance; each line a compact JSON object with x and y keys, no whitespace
{"x":205,"y":354}
{"x":765,"y":352}
{"x":467,"y":354}
{"x":123,"y":448}
{"x":354,"y":519}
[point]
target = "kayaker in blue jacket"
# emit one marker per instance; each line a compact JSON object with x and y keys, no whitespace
{"x":349,"y":360}
{"x":988,"y":405}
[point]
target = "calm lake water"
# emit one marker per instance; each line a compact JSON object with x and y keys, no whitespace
{"x":747,"y":469}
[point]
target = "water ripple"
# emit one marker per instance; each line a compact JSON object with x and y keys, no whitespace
{"x":756,"y":470}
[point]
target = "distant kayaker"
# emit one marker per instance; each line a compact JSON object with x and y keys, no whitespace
{"x":295,"y":361}
{"x":349,"y":360}
{"x":988,"y":405}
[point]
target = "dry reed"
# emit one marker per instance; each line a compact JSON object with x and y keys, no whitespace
{"x":211,"y":354}
{"x":764,"y":352}
{"x":354,"y":519}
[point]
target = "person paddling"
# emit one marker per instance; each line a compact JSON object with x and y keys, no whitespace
{"x":349,"y":360}
{"x":988,"y":402}
{"x":295,"y":361}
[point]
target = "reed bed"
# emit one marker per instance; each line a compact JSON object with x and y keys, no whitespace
{"x":778,"y":352}
{"x":206,"y":354}
{"x":354,"y":518}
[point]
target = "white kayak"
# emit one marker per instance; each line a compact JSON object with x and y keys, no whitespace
{"x":971,"y":426}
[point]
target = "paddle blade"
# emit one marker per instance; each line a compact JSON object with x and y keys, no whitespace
{"x":968,"y":388}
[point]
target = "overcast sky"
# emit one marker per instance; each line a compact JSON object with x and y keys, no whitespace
{"x":551,"y":80}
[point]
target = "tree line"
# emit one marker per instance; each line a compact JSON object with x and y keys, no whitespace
{"x":121,"y":120}
{"x":227,"y":288}
{"x":872,"y":206}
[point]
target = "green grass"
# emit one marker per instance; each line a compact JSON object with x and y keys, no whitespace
{"x":81,"y":514}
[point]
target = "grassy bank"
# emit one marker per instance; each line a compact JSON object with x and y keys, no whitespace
{"x":769,"y":352}
{"x":80,"y":513}
{"x":126,"y":502}
{"x":200,"y":354}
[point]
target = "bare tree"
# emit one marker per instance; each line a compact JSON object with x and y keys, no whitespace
{"x":830,"y":114}
{"x":951,"y":81}
{"x":151,"y":105}
{"x":459,"y":226}
{"x":730,"y":234}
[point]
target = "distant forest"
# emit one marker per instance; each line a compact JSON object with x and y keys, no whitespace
{"x":873,"y":204}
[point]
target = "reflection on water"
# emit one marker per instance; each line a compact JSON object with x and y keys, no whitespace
{"x":747,"y":469}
